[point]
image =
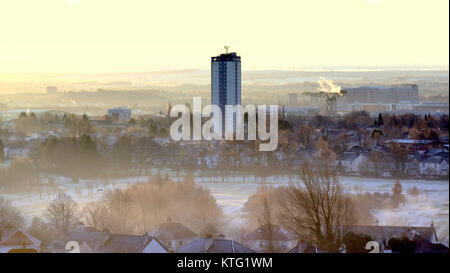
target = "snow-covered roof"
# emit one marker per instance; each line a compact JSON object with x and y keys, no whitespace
{"x":409,"y":141}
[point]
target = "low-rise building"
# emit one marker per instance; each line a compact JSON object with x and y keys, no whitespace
{"x":173,"y":235}
{"x":425,"y":246}
{"x":92,"y":241}
{"x":350,"y":162}
{"x":434,"y":165}
{"x":382,"y":234}
{"x":412,"y":144}
{"x":260,"y":238}
{"x":20,"y":241}
{"x":120,"y":114}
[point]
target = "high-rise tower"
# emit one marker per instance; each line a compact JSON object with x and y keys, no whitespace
{"x":226,"y":80}
{"x":226,"y":83}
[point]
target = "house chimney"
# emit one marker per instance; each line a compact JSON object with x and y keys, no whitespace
{"x":209,"y":240}
{"x":105,"y":234}
{"x":80,"y":227}
{"x":302,"y":247}
{"x":146,"y":238}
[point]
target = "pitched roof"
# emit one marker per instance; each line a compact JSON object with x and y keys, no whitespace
{"x":435,"y":159}
{"x":94,"y":239}
{"x":124,"y":243}
{"x":410,"y":141}
{"x":20,"y":237}
{"x":384,"y":233}
{"x":348,"y":156}
{"x":425,"y":246}
{"x":434,"y":151}
{"x":173,"y":231}
{"x":23,"y":250}
{"x":263,"y":232}
{"x":103,"y":241}
{"x":209,"y":245}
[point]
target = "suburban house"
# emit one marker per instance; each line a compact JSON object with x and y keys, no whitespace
{"x":350,"y":162}
{"x":132,"y":244}
{"x":19,"y":241}
{"x":211,"y":245}
{"x":173,"y":235}
{"x":382,"y":234}
{"x":425,"y":246}
{"x":259,"y":239}
{"x":434,"y":165}
{"x":106,"y":242}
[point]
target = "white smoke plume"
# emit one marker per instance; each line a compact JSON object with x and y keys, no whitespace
{"x":328,"y":86}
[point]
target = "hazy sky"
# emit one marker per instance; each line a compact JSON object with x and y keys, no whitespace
{"x":142,"y":35}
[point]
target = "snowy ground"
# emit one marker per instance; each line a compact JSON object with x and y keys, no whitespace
{"x":432,"y":206}
{"x":233,"y":193}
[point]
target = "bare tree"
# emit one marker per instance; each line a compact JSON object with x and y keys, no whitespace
{"x":317,"y":209}
{"x":288,"y":147}
{"x":10,"y":217}
{"x":266,"y":224}
{"x":323,"y":154}
{"x":95,"y":215}
{"x":62,"y":213}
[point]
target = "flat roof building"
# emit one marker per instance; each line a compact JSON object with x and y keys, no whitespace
{"x":399,"y":93}
{"x":119,"y":114}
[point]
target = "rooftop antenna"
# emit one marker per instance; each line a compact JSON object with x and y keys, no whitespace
{"x":226,"y":48}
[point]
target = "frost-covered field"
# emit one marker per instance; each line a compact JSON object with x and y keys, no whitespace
{"x":432,"y":205}
{"x":231,"y":195}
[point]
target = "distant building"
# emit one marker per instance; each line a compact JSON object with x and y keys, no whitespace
{"x":349,"y":162}
{"x":432,"y":107}
{"x":52,"y":89}
{"x":226,"y":81}
{"x":413,"y":144}
{"x":119,"y":114}
{"x":374,"y":107}
{"x":401,"y":93}
{"x":434,"y":165}
{"x":299,"y":111}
